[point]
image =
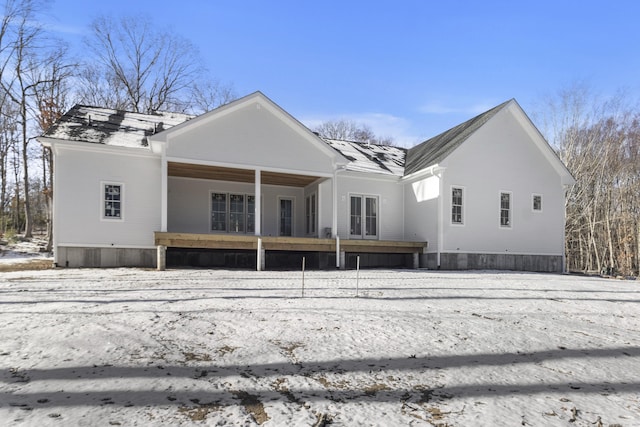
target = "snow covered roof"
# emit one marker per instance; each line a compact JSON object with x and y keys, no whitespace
{"x":371,"y":158}
{"x":112,"y":127}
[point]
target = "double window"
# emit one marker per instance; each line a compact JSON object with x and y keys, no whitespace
{"x":233,"y":213}
{"x":112,"y":200}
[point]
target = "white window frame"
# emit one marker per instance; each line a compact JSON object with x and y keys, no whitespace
{"x":103,"y":201}
{"x":510,"y":222}
{"x":462,"y":209}
{"x":311,"y":214}
{"x":243,"y":213}
{"x":533,"y":196}
{"x":226,"y":211}
{"x":363,"y":215}
{"x":293,"y":215}
{"x":228,"y":195}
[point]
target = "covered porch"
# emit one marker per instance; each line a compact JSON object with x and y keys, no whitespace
{"x":261,"y":244}
{"x":210,"y":198}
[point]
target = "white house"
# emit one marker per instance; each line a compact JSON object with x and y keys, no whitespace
{"x":248,"y":185}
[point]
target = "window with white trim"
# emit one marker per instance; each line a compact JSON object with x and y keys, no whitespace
{"x":536,"y":201}
{"x":310,"y":214}
{"x":233,"y":213}
{"x":456,"y":205}
{"x":236,"y":213}
{"x":505,"y":209}
{"x":363,"y":217}
{"x":219,"y":212}
{"x":285,"y":226}
{"x":112,"y":199}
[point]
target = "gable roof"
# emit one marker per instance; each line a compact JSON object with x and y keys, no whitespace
{"x":261,"y":101}
{"x":371,"y":158}
{"x":434,"y":150}
{"x":108,"y":126}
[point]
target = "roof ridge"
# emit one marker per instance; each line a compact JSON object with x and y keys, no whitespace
{"x":377,"y":144}
{"x":155,"y":113}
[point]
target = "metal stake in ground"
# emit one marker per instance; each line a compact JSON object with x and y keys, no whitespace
{"x":357,"y":274}
{"x":303,"y":262}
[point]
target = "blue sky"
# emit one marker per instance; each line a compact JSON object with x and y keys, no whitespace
{"x":409,"y":69}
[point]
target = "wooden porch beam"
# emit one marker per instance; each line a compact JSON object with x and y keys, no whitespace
{"x":303,"y":244}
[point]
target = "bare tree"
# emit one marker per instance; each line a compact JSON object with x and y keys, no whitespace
{"x":51,"y":100}
{"x":30,"y":61}
{"x":348,"y":130}
{"x":598,"y":141}
{"x":8,"y":142}
{"x":19,"y":46}
{"x":209,"y":95}
{"x":145,"y":70}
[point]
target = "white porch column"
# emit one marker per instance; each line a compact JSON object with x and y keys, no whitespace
{"x":164,"y":190}
{"x":161,"y":258}
{"x":260,"y":256}
{"x":334,"y":216}
{"x":441,"y":217}
{"x":258,"y":216}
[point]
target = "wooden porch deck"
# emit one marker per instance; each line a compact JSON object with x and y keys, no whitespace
{"x":270,"y":243}
{"x":294,"y":244}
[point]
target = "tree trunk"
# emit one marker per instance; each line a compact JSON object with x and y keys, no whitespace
{"x":49,"y":196}
{"x":28,"y":221}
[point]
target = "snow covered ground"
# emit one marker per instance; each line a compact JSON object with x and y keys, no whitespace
{"x":24,"y":252}
{"x":242,"y":348}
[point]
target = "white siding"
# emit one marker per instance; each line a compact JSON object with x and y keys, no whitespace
{"x":251,"y":136}
{"x":189,"y":204}
{"x":78,"y":203}
{"x":501,"y":157}
{"x":325,"y":206}
{"x":391,"y":204}
{"x":421,"y":210}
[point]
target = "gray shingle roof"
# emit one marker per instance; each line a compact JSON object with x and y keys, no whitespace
{"x":112,"y":127}
{"x":434,"y":150}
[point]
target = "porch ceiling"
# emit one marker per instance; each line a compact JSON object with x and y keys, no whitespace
{"x":187,"y":170}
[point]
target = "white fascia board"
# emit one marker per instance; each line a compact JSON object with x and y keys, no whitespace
{"x":47,"y":142}
{"x":157,"y":147}
{"x":369,"y":176}
{"x":422,"y":173}
{"x":248,"y":167}
{"x":96,"y":148}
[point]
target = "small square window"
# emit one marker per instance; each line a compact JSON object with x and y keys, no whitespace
{"x":537,"y":202}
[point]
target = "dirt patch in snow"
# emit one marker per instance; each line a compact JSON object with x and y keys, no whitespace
{"x":27,"y":265}
{"x":252,"y":405}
